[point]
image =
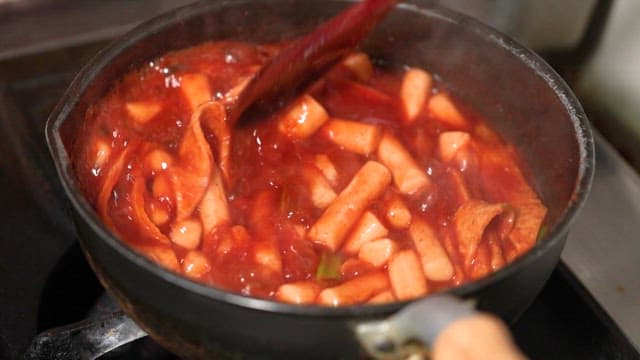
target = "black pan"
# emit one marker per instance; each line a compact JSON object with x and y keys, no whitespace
{"x":521,"y":96}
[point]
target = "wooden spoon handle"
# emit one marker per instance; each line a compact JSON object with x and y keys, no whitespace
{"x":306,"y":59}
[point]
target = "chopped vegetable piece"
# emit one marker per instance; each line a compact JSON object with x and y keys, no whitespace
{"x":378,"y":252}
{"x":405,"y":273}
{"x":544,"y":229}
{"x":353,"y":136}
{"x":266,"y":249}
{"x":303,"y":118}
{"x":161,"y":187}
{"x":444,"y":110}
{"x":398,"y":214}
{"x":158,"y":160}
{"x":195,"y":264}
{"x":355,"y":290}
{"x":237,"y":239}
{"x":322,"y":193}
{"x":196,"y":89}
{"x":187,"y":233}
{"x":354,"y":267}
{"x":433,"y":257}
{"x":143,"y":111}
{"x":360,"y":64}
{"x":449,"y":142}
{"x":102,"y":153}
{"x":161,"y":254}
{"x":335,"y":222}
{"x":329,"y":266}
{"x":408,"y":177}
{"x":157,"y":212}
{"x":459,"y":186}
{"x":382,"y":298}
{"x":324,"y":164}
{"x":267,"y":254}
{"x":231,"y":96}
{"x":302,"y":292}
{"x":416,"y":86}
{"x":366,"y":229}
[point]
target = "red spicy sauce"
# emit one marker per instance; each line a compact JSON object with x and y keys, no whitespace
{"x":450,"y":203}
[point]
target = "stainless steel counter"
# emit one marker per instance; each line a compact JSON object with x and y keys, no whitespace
{"x":603,"y":249}
{"x":34,"y":26}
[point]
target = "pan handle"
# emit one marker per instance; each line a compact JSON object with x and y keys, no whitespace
{"x":441,"y":327}
{"x":87,"y":339}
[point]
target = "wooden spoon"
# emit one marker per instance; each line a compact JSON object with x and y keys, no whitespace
{"x":307,"y":59}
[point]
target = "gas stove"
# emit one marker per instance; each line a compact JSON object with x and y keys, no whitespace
{"x":589,"y":309}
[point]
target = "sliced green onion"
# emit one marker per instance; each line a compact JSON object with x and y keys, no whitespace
{"x":543,"y":232}
{"x":329,"y":266}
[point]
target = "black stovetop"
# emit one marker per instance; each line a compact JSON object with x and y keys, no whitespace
{"x":45,"y":281}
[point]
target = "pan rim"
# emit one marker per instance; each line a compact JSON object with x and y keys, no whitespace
{"x":88,"y":73}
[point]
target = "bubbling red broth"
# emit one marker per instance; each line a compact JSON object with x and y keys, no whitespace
{"x":373,"y":186}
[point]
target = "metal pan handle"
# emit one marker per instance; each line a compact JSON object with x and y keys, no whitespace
{"x":87,"y":339}
{"x":440,"y":325}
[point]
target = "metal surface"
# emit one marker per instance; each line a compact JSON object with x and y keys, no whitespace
{"x":603,"y":248}
{"x":543,"y":25}
{"x":88,"y":339}
{"x":58,"y":24}
{"x":412,"y":331}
